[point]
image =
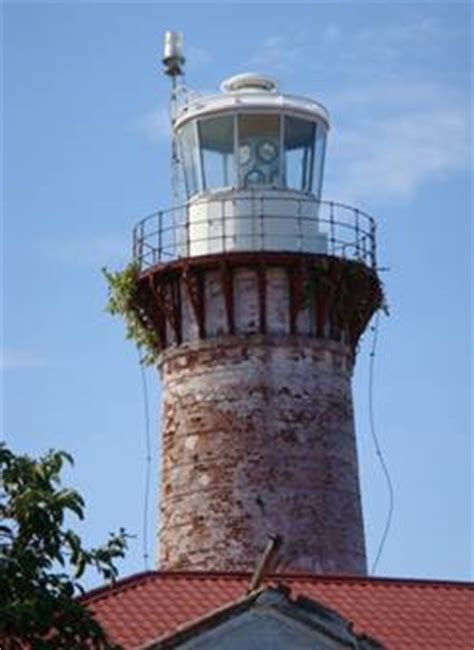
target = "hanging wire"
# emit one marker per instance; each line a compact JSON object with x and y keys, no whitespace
{"x":146,"y":407}
{"x":383,"y":464}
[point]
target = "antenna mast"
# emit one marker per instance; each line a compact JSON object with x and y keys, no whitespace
{"x":173,"y":60}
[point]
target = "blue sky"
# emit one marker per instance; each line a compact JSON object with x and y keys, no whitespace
{"x":86,"y":154}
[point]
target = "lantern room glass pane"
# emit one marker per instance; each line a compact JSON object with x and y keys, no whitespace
{"x":299,"y":153}
{"x":189,"y":151}
{"x":320,"y":154}
{"x":258,"y":152}
{"x":216,"y":138}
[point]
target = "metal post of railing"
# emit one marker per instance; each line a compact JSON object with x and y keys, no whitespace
{"x":223,"y":220}
{"x":160,"y":235}
{"x":332,"y":237}
{"x":373,"y":242}
{"x":136,"y":242}
{"x":187,"y":228}
{"x":208,"y":238}
{"x":135,"y":245}
{"x":363,"y":247}
{"x":141,"y":245}
{"x":300,"y":228}
{"x":262,"y":224}
{"x":155,"y":252}
{"x":357,"y":234}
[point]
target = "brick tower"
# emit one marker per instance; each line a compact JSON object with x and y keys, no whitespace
{"x":258,"y":291}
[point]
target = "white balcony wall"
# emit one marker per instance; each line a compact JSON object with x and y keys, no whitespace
{"x":269,"y":220}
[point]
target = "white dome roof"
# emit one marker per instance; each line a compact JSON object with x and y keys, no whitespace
{"x":249,"y":81}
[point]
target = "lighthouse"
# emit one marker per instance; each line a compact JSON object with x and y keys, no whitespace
{"x":257,"y":291}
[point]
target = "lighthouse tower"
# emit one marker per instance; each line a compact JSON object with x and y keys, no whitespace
{"x":258,"y":291}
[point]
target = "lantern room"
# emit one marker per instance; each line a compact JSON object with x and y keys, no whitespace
{"x":251,"y":136}
{"x":251,"y":161}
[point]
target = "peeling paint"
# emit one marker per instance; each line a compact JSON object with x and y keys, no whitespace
{"x":258,"y":438}
{"x":257,"y":351}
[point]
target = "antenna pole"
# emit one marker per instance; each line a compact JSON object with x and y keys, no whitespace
{"x":173,"y":60}
{"x":175,"y":179}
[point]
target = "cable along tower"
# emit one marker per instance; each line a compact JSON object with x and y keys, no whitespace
{"x":259,"y":291}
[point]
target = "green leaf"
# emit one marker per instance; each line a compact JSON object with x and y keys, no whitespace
{"x":122,"y":301}
{"x":41,"y":561}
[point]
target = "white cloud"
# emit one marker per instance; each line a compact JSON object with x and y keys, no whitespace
{"x":395,"y":140}
{"x":332,"y":33}
{"x":399,"y":92}
{"x":391,"y":159}
{"x":418,"y":32}
{"x":278,"y":53}
{"x":399,"y":125}
{"x":20,"y":360}
{"x":88,"y":252}
{"x":155,"y":125}
{"x":196,"y":56}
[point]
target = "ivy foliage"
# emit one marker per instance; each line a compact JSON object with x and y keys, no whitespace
{"x":123,"y":301}
{"x":42,"y":559}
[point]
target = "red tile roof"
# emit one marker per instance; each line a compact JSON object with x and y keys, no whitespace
{"x":402,"y":614}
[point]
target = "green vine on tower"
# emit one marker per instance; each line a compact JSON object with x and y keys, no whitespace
{"x":122,"y":301}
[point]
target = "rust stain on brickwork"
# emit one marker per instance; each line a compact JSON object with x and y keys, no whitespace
{"x":258,"y":439}
{"x":323,"y":296}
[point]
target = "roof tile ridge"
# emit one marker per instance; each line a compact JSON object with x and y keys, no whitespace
{"x":205,"y":575}
{"x":382,"y":580}
{"x":136,"y":579}
{"x":128,"y":582}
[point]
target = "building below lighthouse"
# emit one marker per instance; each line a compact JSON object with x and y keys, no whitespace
{"x":255,"y":291}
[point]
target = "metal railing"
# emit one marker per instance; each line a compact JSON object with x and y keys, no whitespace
{"x":221,"y":225}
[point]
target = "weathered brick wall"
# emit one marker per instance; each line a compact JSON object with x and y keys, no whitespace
{"x":258,"y":438}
